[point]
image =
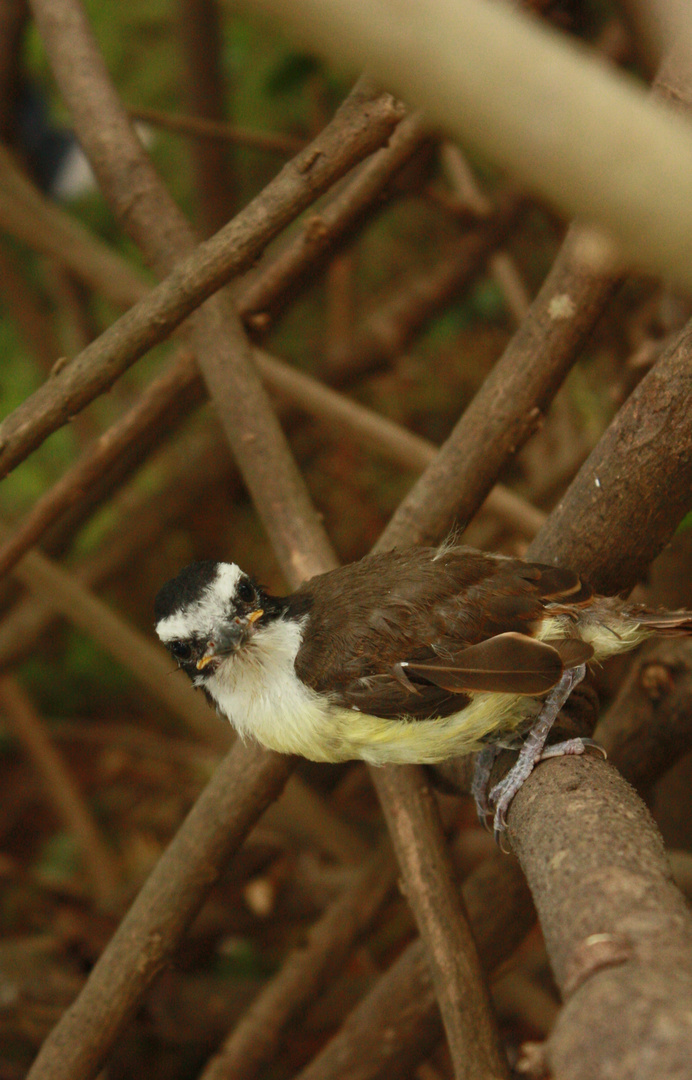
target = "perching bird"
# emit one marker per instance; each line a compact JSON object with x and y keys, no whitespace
{"x":414,"y":655}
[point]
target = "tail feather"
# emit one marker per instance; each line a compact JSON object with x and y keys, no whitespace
{"x":666,"y":623}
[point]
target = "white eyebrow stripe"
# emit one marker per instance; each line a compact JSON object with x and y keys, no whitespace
{"x":202,"y":617}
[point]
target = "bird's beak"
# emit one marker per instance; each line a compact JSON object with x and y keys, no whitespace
{"x":228,"y":639}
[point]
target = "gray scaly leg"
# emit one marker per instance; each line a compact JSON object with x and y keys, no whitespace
{"x":532,"y":751}
{"x":485,"y":759}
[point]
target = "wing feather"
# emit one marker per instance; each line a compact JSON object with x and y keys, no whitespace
{"x":505,"y":664}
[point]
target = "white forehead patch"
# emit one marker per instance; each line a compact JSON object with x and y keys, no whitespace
{"x":204,"y":615}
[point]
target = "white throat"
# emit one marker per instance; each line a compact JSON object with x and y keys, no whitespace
{"x":258,"y":690}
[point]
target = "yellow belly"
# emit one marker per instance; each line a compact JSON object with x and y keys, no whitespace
{"x":338,"y":734}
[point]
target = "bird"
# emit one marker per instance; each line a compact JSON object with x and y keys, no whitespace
{"x":412,"y":655}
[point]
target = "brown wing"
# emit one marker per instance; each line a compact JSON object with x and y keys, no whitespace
{"x":509,"y":663}
{"x":425,"y":608}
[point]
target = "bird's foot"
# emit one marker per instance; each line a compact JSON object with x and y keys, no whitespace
{"x":502,"y":794}
{"x":573,"y":746}
{"x":533,"y":750}
{"x":485,"y":759}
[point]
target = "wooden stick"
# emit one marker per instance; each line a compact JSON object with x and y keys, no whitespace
{"x":198,"y":127}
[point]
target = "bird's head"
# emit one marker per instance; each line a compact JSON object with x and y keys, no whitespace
{"x":206,"y":614}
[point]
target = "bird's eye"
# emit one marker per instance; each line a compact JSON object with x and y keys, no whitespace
{"x":180,"y":649}
{"x":245,"y":591}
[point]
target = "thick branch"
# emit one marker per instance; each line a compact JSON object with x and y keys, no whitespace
{"x":649,"y":725}
{"x":634,"y":488}
{"x":596,"y":865}
{"x":571,"y":128}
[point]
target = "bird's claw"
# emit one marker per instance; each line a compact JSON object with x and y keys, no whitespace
{"x":503,"y":793}
{"x":571,"y":747}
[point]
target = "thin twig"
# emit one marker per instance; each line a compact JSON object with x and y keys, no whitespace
{"x":26,"y":310}
{"x":202,"y":128}
{"x":354,"y":133}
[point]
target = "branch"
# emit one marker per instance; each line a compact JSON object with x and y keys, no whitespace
{"x":634,"y":487}
{"x":199,"y":33}
{"x":198,"y":127}
{"x":585,"y":136}
{"x":413,"y":820}
{"x":403,"y":1005}
{"x":508,"y":407}
{"x":648,"y":727}
{"x":356,"y":130}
